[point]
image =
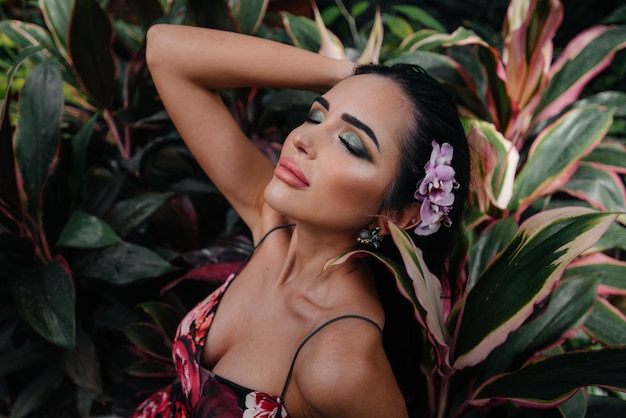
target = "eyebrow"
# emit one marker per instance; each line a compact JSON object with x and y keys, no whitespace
{"x":346,"y":117}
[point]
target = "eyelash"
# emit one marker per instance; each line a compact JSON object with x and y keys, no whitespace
{"x":346,"y":144}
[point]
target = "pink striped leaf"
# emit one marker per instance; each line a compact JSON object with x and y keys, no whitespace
{"x":606,"y":324}
{"x":599,"y":187}
{"x":550,"y":380}
{"x":568,"y":307}
{"x":611,"y":154}
{"x":421,"y":288}
{"x":521,"y":276}
{"x":584,"y":57}
{"x":554,"y":156}
{"x":56,"y":14}
{"x":527,"y":53}
{"x":498,"y":175}
{"x":612,"y":272}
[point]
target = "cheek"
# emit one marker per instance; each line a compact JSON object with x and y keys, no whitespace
{"x":358,"y":193}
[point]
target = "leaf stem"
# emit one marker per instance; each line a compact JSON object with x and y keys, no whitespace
{"x":108,"y":117}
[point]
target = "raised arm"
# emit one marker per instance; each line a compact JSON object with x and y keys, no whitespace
{"x":189,"y":65}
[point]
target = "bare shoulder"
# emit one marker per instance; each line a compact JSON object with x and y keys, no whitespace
{"x":343,"y":372}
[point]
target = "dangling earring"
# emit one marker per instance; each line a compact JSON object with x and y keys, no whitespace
{"x":370,"y":237}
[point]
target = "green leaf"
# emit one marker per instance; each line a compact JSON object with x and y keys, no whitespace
{"x":56,"y":13}
{"x":36,"y":392}
{"x":8,"y":180}
{"x":87,"y":231}
{"x":557,"y":150}
{"x":164,"y":315}
{"x":605,"y":407}
{"x":598,"y":186}
{"x":488,"y":245}
{"x":80,"y":141}
{"x":567,"y":308}
{"x":128,"y":214}
{"x":610,"y":154}
{"x":494,"y":160}
{"x":81,"y":365}
{"x":522,"y":275}
{"x":425,"y":285}
{"x":44,"y":296}
{"x":614,"y":238}
{"x":151,"y":368}
{"x":438,"y":65}
{"x":147,"y":11}
{"x":102,"y":189}
{"x":591,"y":52}
{"x":25,"y":34}
{"x":575,"y":406}
{"x":359,"y":8}
{"x":131,"y":35}
{"x":303,"y":32}
{"x":611,"y":272}
{"x":149,"y":339}
{"x":90,"y":35}
{"x":607,"y":324}
{"x":397,"y":25}
{"x":419,"y":15}
{"x":249,"y":14}
{"x":37,"y":134}
{"x":30,"y":354}
{"x":121,"y":264}
{"x":615,"y":99}
{"x":546,"y":381}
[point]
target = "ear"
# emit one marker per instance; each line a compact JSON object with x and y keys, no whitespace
{"x":406,"y":218}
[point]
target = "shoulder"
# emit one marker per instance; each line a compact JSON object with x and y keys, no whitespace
{"x":343,"y":371}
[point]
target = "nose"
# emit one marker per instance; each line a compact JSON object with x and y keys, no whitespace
{"x":303,"y":142}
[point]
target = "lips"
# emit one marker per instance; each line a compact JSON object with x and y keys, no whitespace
{"x":288,"y":171}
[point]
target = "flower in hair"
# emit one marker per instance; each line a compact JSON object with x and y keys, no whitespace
{"x":434,"y":191}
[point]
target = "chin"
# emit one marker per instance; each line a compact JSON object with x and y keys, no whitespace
{"x":277,"y":197}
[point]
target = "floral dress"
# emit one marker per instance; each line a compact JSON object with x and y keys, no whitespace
{"x":198,"y":392}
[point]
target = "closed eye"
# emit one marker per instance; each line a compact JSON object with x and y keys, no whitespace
{"x":354,"y":145}
{"x":315,"y":116}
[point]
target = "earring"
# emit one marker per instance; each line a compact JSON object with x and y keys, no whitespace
{"x":370,"y":237}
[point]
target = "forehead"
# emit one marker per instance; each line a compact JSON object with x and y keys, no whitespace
{"x":375,"y":100}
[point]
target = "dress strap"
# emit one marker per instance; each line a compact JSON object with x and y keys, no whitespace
{"x":312,"y":334}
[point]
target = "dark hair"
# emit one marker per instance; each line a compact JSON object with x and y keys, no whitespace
{"x":435,"y":117}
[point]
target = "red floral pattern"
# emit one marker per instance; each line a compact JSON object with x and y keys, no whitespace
{"x":198,"y":392}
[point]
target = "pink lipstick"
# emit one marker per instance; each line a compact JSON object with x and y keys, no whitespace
{"x":288,"y":171}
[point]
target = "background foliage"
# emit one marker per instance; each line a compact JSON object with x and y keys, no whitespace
{"x":109,"y":231}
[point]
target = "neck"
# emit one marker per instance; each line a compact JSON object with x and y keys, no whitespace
{"x":310,"y":249}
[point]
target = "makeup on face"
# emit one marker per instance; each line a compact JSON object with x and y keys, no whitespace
{"x":350,"y":140}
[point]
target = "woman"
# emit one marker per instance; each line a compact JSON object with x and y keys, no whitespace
{"x":290,"y":339}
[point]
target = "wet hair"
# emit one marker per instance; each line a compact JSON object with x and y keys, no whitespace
{"x":435,"y":117}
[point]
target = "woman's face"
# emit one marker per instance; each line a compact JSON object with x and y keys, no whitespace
{"x":335,"y":167}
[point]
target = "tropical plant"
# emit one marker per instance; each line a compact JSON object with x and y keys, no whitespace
{"x":101,"y":206}
{"x":108,"y":227}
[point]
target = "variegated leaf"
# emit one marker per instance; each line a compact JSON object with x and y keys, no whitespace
{"x":584,"y":57}
{"x":612,"y":272}
{"x":606,"y":324}
{"x":505,"y":158}
{"x":598,"y":186}
{"x":521,"y":276}
{"x":371,"y":52}
{"x":330,"y":46}
{"x":554,"y":156}
{"x":551,"y":380}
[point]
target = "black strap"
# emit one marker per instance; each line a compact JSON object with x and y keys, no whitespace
{"x":249,"y":256}
{"x":318,"y":329}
